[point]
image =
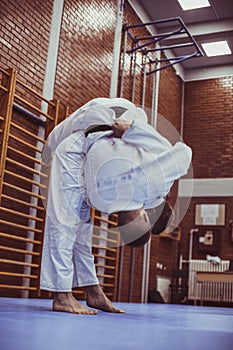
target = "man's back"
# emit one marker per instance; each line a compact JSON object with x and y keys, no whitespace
{"x":134,"y":171}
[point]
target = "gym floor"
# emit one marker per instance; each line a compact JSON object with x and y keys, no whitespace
{"x":30,"y":324}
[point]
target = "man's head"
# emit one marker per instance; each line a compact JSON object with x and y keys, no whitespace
{"x":160,"y":217}
{"x":134,"y":227}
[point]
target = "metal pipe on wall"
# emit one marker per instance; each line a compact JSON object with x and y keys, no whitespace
{"x":182,"y":110}
{"x":155,"y":96}
{"x":178,"y":203}
{"x":113,"y":94}
{"x":144,"y":81}
{"x":145,"y":272}
{"x":28,"y":114}
{"x":117,"y":49}
{"x":134,"y":63}
{"x":132,"y":263}
{"x":147,"y":247}
{"x":192,"y":231}
{"x":123,"y":64}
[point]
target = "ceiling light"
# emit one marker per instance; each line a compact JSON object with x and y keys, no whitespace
{"x":217,"y":48}
{"x":193,"y":4}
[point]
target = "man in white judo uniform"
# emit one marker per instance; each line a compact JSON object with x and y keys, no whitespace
{"x":128,"y":169}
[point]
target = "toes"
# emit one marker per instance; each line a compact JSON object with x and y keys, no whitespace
{"x":87,"y":312}
{"x":121,"y":311}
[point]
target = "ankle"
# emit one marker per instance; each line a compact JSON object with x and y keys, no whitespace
{"x":61,"y":296}
{"x":93,"y":291}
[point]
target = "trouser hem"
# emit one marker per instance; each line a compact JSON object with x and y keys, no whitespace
{"x":60,"y":290}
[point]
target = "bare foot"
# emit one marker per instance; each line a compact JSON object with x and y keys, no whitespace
{"x":98,"y":300}
{"x":66,"y":302}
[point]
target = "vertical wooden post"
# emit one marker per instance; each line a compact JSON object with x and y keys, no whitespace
{"x":6,"y":104}
{"x":53,"y":111}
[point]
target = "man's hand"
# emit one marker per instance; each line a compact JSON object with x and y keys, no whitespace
{"x":119,"y":127}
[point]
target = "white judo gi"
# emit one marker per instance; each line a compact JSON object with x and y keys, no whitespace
{"x":111,"y":174}
{"x":67,"y":259}
{"x":134,"y":171}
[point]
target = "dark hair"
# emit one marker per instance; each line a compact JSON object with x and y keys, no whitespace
{"x":137,"y":242}
{"x":160,"y":217}
{"x":134,"y":227}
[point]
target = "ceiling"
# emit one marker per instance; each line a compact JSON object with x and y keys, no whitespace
{"x":209,"y":24}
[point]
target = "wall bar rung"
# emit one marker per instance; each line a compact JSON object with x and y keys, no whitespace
{"x":23,"y":166}
{"x":107,"y":284}
{"x":105,"y":248}
{"x":27,"y":132}
{"x":106,"y":229}
{"x":23,"y":190}
{"x":105,"y":275}
{"x":33,"y":107}
{"x":34,"y":159}
{"x":23,"y":203}
{"x":7,"y":210}
{"x":3,"y":88}
{"x":106,"y":266}
{"x":22,"y":251}
{"x":28,"y":228}
{"x":9,"y":286}
{"x":25,"y":179}
{"x":51,"y":103}
{"x":36,"y":149}
{"x":105,"y":220}
{"x":13,"y":274}
{"x":104,"y":238}
{"x":19,"y":238}
{"x":104,"y":257}
{"x":77,"y":291}
{"x":33,"y":117}
{"x":6,"y":72}
{"x":21,"y":263}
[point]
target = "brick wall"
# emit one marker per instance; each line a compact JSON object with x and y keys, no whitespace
{"x":208,"y":126}
{"x":85,"y":51}
{"x":25,"y":27}
{"x":208,"y":129}
{"x":170,"y":97}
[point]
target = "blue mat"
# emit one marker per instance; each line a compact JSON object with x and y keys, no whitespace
{"x":30,"y":324}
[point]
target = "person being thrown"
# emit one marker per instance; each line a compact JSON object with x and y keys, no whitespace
{"x":127,"y":169}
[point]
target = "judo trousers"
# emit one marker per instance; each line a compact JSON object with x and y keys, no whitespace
{"x":67,"y":259}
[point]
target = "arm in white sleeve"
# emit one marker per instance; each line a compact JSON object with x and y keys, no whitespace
{"x":170,"y":162}
{"x":176,"y":162}
{"x":84,"y":118}
{"x":145,"y":136}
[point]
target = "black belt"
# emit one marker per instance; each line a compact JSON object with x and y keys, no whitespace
{"x":98,"y":128}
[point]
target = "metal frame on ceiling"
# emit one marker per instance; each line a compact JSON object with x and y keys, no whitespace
{"x":144,"y":44}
